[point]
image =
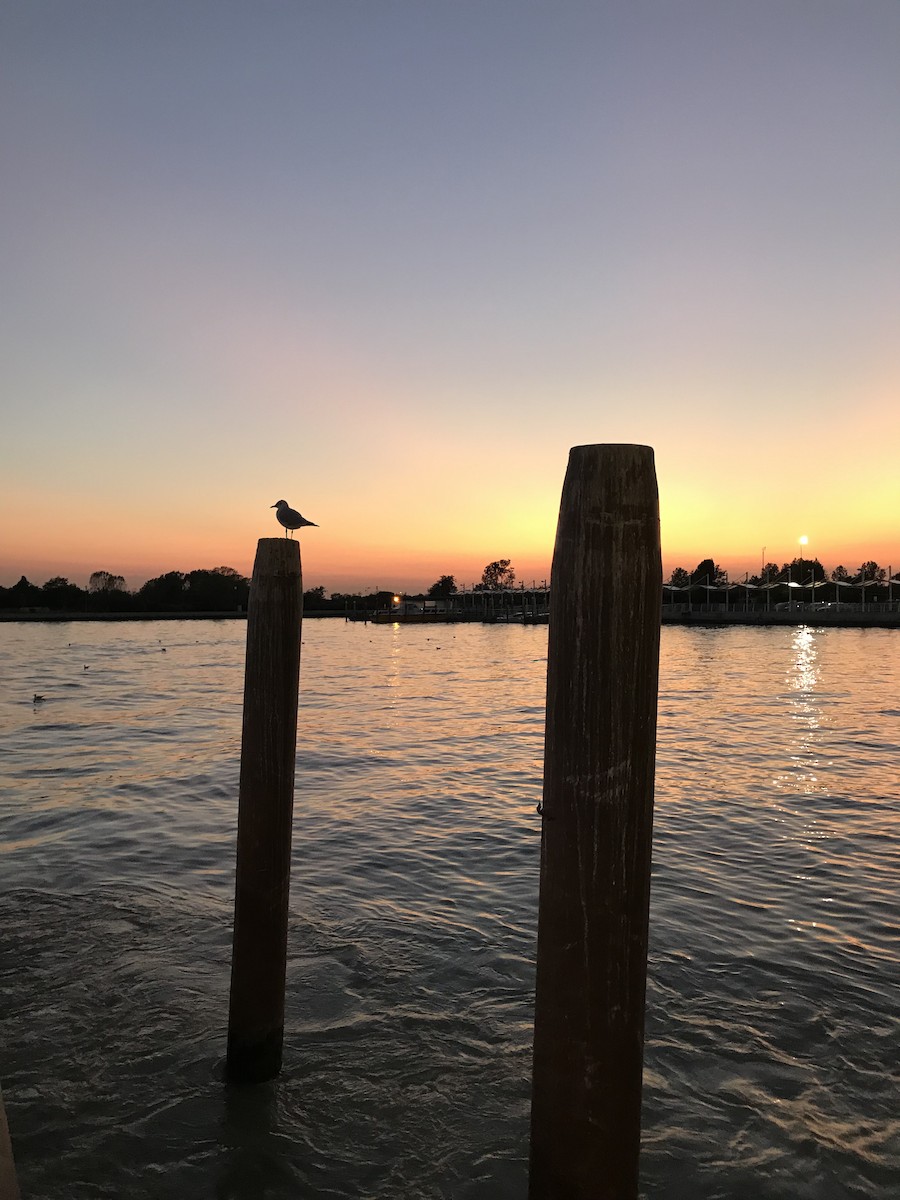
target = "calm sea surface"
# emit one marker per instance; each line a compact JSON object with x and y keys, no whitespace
{"x":773,"y":1039}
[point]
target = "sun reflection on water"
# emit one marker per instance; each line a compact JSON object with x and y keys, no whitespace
{"x":805,"y":711}
{"x":806,"y":659}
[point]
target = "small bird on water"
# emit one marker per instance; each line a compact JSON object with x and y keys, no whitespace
{"x":289,"y":517}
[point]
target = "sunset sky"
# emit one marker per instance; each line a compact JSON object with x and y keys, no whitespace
{"x":390,"y":259}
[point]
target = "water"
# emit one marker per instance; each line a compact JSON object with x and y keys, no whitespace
{"x":772,"y":1026}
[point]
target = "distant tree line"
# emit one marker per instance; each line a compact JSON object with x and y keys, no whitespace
{"x":495,"y":576}
{"x":798,"y":570}
{"x":706,"y":572}
{"x":220,"y":589}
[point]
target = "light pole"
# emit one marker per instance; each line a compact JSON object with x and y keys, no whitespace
{"x":804,"y":541}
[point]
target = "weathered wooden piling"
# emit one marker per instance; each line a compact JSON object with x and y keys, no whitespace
{"x":602,"y":678}
{"x":265,"y":809}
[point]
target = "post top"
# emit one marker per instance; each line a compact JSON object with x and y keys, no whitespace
{"x":277,"y":556}
{"x":614,"y":448}
{"x":609,"y":482}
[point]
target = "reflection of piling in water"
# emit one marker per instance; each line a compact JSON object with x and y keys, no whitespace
{"x":268,"y":750}
{"x":602,"y":679}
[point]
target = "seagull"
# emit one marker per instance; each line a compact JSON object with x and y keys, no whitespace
{"x":289,"y":517}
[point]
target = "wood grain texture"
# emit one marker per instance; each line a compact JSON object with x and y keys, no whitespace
{"x":602,"y":681}
{"x":265,"y":811}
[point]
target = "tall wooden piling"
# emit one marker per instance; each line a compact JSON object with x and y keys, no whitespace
{"x":265,"y":809}
{"x":602,"y":678}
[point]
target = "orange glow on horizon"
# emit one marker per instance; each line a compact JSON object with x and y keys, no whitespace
{"x":341,"y":560}
{"x":407,"y":534}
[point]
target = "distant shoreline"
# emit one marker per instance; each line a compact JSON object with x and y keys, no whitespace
{"x":57,"y":618}
{"x":821,"y":620}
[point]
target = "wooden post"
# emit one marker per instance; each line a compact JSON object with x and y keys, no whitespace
{"x":265,"y":808}
{"x":602,"y":678}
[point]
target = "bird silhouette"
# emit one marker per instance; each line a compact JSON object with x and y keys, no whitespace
{"x":289,"y":517}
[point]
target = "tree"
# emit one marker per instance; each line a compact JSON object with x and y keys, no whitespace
{"x":24,"y":594}
{"x":497,"y":575}
{"x":679,"y":577}
{"x":840,"y":575}
{"x":708,"y":572}
{"x":770,"y":574}
{"x":221,"y":589}
{"x":870,"y":571}
{"x":163,"y":593}
{"x":800,"y":570}
{"x":444,"y":587}
{"x":106,"y":593}
{"x":315,"y":597}
{"x":104,"y":581}
{"x":59,"y":594}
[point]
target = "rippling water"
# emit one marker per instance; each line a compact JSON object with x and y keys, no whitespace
{"x":772,"y":1026}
